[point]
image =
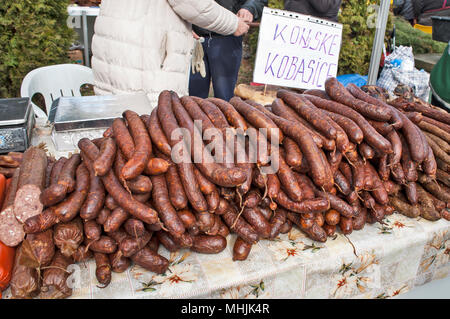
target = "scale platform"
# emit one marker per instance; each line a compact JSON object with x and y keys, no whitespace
{"x":74,"y":118}
{"x":16,"y":124}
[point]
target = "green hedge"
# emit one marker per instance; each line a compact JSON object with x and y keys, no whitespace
{"x":357,"y":36}
{"x":421,"y":42}
{"x":277,"y":4}
{"x":33,"y":33}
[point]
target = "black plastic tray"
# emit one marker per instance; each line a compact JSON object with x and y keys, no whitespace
{"x":441,"y":28}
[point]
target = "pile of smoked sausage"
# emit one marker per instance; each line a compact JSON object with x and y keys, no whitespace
{"x":346,"y":158}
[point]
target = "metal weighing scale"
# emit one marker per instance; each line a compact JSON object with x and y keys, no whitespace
{"x":74,"y":118}
{"x":16,"y":123}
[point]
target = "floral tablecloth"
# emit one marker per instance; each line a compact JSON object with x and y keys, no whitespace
{"x":380,"y":261}
{"x":376,"y":262}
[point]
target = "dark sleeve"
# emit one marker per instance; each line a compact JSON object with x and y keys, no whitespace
{"x":324,"y":6}
{"x":418,"y":7}
{"x":255,"y":7}
{"x":399,"y":3}
{"x":408,"y":10}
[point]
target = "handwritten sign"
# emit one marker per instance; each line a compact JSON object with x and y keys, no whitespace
{"x":296,"y":50}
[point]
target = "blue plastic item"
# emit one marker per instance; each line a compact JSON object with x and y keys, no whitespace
{"x":396,"y":63}
{"x":356,"y":79}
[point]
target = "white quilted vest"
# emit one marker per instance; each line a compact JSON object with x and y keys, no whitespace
{"x":145,"y":46}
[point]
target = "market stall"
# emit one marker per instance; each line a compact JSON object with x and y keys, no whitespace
{"x":358,"y":248}
{"x":299,"y":188}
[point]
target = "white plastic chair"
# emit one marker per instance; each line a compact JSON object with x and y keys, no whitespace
{"x":55,"y":81}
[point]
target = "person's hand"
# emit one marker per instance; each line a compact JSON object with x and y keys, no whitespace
{"x":195,"y":35}
{"x":242,"y":28}
{"x":246,"y":15}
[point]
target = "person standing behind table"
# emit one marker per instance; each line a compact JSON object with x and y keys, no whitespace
{"x":223,"y":54}
{"x":405,"y":9}
{"x":146,"y":45}
{"x":326,"y":9}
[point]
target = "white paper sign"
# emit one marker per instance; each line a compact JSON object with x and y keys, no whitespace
{"x":296,"y":50}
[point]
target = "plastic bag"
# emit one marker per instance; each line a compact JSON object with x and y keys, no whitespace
{"x":399,"y":69}
{"x":357,"y":79}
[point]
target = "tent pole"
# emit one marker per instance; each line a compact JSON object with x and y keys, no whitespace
{"x":378,"y":41}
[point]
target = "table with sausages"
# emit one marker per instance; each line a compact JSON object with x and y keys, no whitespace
{"x":380,"y":261}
